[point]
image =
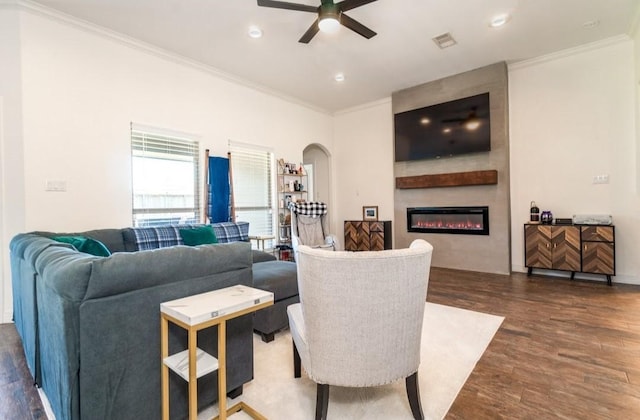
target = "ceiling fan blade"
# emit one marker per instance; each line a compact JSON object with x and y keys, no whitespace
{"x":352,"y":4}
{"x":288,"y":6}
{"x":311,"y":32}
{"x":356,"y":26}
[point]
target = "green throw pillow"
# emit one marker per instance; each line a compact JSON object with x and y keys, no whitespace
{"x":84,"y":244}
{"x":199,"y":236}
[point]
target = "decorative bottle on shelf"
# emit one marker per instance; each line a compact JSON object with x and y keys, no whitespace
{"x":535,"y":213}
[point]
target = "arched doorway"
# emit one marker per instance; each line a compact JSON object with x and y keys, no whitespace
{"x":317,"y":160}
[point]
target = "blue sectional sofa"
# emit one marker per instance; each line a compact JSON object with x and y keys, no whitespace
{"x":90,"y":325}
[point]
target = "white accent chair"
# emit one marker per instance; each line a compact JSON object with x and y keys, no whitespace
{"x":359,"y":320}
{"x":309,"y":227}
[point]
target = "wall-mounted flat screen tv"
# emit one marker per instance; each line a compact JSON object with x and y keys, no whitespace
{"x":449,"y":129}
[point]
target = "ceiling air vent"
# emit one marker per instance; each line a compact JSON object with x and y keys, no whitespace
{"x":444,"y":41}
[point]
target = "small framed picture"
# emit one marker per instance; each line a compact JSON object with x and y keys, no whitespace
{"x":370,"y":213}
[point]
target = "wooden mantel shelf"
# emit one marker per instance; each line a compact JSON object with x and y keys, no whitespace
{"x":456,"y":179}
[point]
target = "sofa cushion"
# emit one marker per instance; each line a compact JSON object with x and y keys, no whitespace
{"x":261,"y":256}
{"x":84,"y":244}
{"x":198,"y":236}
{"x":114,"y":239}
{"x":127,"y":271}
{"x":279,"y":277}
{"x":65,"y":272}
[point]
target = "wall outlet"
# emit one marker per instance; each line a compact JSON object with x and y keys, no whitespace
{"x":601,"y":179}
{"x":55,"y":185}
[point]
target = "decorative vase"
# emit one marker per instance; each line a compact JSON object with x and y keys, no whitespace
{"x":535,"y":213}
{"x":546,"y":217}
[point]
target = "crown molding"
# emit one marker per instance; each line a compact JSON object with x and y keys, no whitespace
{"x":364,"y":106}
{"x":77,"y":23}
{"x":569,"y":52}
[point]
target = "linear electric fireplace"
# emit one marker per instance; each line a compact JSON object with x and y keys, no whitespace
{"x":453,"y":220}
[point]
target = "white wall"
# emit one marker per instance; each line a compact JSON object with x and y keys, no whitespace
{"x":363,"y":162}
{"x":571,"y":118}
{"x":12,"y":200}
{"x":81,"y":90}
{"x":636,"y":39}
{"x":69,"y":94}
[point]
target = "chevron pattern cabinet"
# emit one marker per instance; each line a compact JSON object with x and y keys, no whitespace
{"x":362,"y":235}
{"x":586,"y":249}
{"x":598,"y":250}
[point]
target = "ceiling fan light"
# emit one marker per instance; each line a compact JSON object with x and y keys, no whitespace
{"x":329,"y":24}
{"x":472,"y":124}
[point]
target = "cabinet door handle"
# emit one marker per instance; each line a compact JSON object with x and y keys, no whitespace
{"x":585,"y":247}
{"x":555,"y":246}
{"x":548,"y":244}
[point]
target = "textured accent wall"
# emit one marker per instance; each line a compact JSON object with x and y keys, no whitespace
{"x":491,"y":253}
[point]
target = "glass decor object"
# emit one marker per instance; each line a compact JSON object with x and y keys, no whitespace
{"x":535,"y":213}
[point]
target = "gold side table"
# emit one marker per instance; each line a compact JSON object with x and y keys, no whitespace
{"x":195,"y":313}
{"x":260,"y":240}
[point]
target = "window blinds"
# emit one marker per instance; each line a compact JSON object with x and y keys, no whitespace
{"x":165,"y":171}
{"x":253,"y":187}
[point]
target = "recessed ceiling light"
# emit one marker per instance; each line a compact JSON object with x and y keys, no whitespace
{"x":499,"y":20}
{"x":339,"y":77}
{"x":255,"y":32}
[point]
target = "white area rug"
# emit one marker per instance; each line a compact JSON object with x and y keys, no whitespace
{"x":453,"y":340}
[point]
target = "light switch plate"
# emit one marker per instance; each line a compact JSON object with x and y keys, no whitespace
{"x":55,"y":185}
{"x":601,"y":179}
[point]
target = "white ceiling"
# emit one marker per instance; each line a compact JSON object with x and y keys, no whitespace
{"x":214,"y":32}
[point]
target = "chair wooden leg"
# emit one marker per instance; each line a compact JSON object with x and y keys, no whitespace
{"x":296,"y":362}
{"x":413,"y":392}
{"x":322,"y":401}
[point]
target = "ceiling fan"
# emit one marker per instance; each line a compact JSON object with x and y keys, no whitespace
{"x":470,"y":122}
{"x":330,"y":16}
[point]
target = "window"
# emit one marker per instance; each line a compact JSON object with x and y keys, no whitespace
{"x":164,"y":177}
{"x":252,"y":169}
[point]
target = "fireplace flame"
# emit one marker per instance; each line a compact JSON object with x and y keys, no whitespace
{"x":455,"y":220}
{"x":441,"y":224}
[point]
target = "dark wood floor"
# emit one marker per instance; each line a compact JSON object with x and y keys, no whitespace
{"x":567,"y":349}
{"x":19,"y":399}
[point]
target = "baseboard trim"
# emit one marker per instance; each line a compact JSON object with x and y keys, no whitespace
{"x":7,"y":317}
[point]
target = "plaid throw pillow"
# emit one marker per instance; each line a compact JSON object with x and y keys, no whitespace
{"x":157,"y":237}
{"x":231,"y":232}
{"x":165,"y":236}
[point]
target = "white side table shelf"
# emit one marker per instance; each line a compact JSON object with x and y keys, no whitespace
{"x":195,"y":313}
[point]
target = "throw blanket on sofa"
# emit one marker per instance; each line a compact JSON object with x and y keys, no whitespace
{"x":309,"y":208}
{"x":219,"y":189}
{"x":166,"y":236}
